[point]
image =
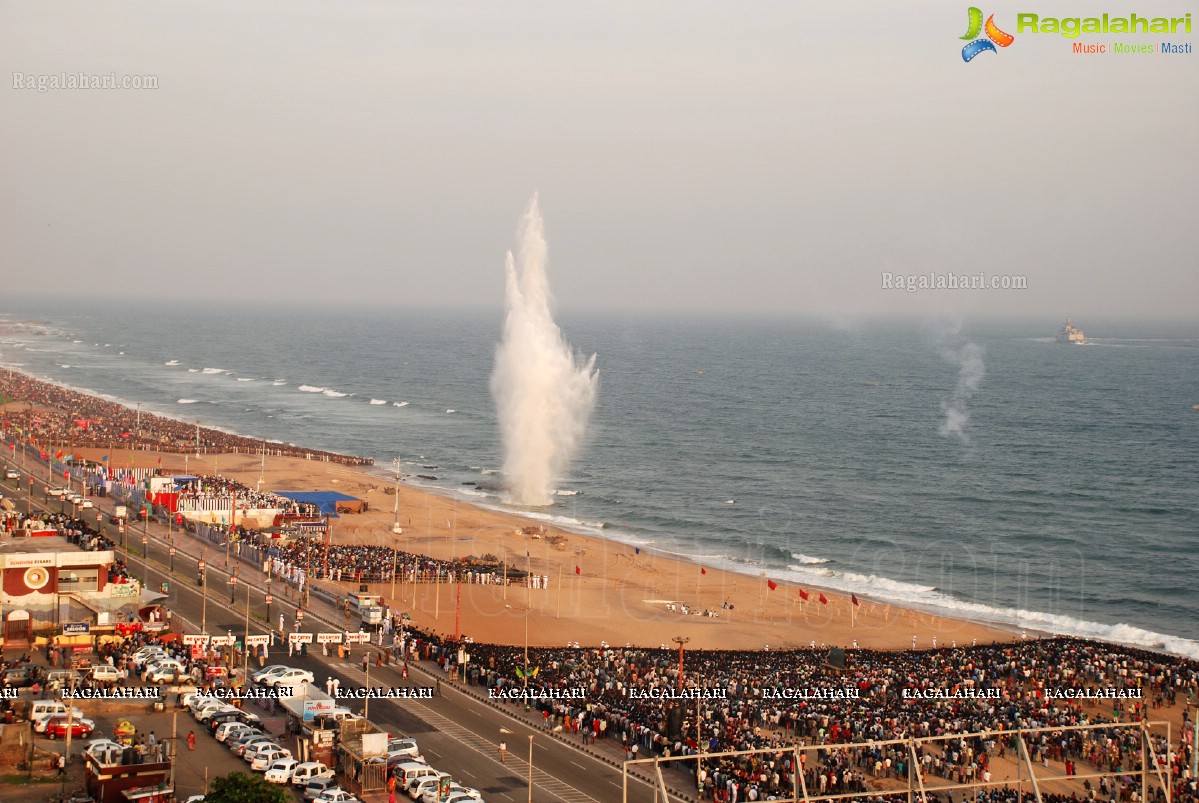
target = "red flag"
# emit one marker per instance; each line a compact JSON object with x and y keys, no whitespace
{"x":578,"y":570}
{"x":59,"y":455}
{"x":45,"y":454}
{"x":66,"y":474}
{"x":771,"y":585}
{"x":823,"y":600}
{"x":702,"y":570}
{"x":160,"y":461}
{"x":854,"y":597}
{"x":803,"y":594}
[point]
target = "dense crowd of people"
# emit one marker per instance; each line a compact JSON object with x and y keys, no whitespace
{"x":742,"y":704}
{"x":222,"y":490}
{"x":66,"y":418}
{"x":372,"y":564}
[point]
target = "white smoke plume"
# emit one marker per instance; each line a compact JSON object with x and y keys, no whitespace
{"x":969,"y":359}
{"x":543,"y":395}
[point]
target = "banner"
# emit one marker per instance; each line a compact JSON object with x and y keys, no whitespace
{"x":257,"y":641}
{"x":357,"y":638}
{"x":328,"y":638}
{"x":221,"y":641}
{"x":300,"y":638}
{"x":195,"y":639}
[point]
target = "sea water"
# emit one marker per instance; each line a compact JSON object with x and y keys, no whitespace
{"x":1046,"y":487}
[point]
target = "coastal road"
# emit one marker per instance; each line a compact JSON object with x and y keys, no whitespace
{"x":457,"y":733}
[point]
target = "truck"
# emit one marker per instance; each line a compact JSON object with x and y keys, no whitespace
{"x":368,"y":607}
{"x":120,"y":513}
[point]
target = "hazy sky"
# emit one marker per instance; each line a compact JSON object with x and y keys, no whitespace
{"x":774,"y":156}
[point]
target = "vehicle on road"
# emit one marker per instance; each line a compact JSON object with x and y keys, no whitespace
{"x":12,"y":474}
{"x":258,"y":676}
{"x":58,"y":726}
{"x":336,"y":796}
{"x":319,"y":786}
{"x":264,"y":758}
{"x":165,"y":670}
{"x":281,"y":770}
{"x":292,"y":677}
{"x":309,"y":771}
{"x":105,"y":673}
{"x":230,"y":730}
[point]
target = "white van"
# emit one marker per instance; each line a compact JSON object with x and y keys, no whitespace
{"x":105,"y":673}
{"x":409,"y":771}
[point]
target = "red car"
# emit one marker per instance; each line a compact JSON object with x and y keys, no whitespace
{"x":56,"y":728}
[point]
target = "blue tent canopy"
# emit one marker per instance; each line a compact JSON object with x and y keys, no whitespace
{"x":326,"y":501}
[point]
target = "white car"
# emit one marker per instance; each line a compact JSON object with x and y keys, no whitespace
{"x":87,"y":503}
{"x":12,"y":474}
{"x":336,"y":796}
{"x":421,"y":777}
{"x":245,"y":750}
{"x":266,"y":757}
{"x":164,"y":670}
{"x":258,"y":676}
{"x":254,"y":751}
{"x":148,"y":655}
{"x":281,"y":770}
{"x":459,"y":789}
{"x":402,"y":747}
{"x":58,"y":492}
{"x":231,"y":730}
{"x":292,"y":677}
{"x":454,"y":797}
{"x":309,"y":770}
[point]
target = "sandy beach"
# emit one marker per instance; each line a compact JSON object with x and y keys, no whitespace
{"x":616,"y":595}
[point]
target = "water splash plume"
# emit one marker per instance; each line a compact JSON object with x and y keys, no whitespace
{"x":543,"y":394}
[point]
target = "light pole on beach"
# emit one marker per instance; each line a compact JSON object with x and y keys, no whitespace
{"x":397,"y":530}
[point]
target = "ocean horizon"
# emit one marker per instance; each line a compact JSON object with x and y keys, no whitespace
{"x":976,"y":469}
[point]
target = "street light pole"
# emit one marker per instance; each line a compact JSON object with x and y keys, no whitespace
{"x":204,"y":586}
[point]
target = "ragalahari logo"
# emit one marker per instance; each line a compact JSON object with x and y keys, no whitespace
{"x":994,"y":35}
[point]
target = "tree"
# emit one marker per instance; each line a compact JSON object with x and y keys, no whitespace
{"x":237,"y":787}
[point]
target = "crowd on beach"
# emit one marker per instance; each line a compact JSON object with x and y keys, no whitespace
{"x":370,"y":564}
{"x":65,"y":418}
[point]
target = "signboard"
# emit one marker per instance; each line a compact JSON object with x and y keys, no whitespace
{"x":171,"y":552}
{"x":233,"y":579}
{"x":322,"y":738}
{"x":357,"y":638}
{"x":314,"y":707}
{"x":269,"y":599}
{"x":374,"y":744}
{"x":300,"y":638}
{"x":328,"y":638}
{"x":257,"y":641}
{"x":123,"y":589}
{"x":25,"y":562}
{"x":221,"y":641}
{"x":195,"y":639}
{"x":76,"y":628}
{"x":154,"y":627}
{"x":200,"y":565}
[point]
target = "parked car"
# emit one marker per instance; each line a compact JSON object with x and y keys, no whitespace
{"x":231,"y":729}
{"x":400,"y":746}
{"x":12,"y":474}
{"x":165,"y":670}
{"x":281,"y":770}
{"x":79,"y":728}
{"x":319,"y":786}
{"x":309,"y":771}
{"x":253,"y":751}
{"x":243,"y":747}
{"x":292,"y":677}
{"x":240,"y":741}
{"x":336,"y":796}
{"x":18,"y":678}
{"x":267,"y":756}
{"x":105,"y":673}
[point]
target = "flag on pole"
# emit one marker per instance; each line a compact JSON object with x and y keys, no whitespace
{"x":804,"y":594}
{"x":771,"y":585}
{"x":578,"y":570}
{"x":823,"y":600}
{"x":854,"y":597}
{"x":59,"y":455}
